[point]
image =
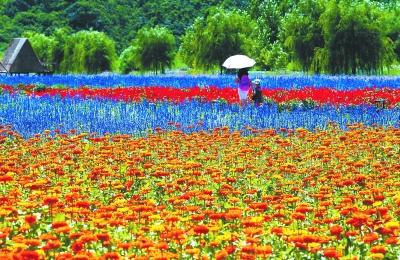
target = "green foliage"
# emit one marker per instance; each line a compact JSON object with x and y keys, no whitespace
{"x":274,"y":57}
{"x":330,"y":36}
{"x":88,"y":52}
{"x":292,"y":105}
{"x":120,"y":19}
{"x":353,"y":37}
{"x":153,"y":48}
{"x":301,"y":33}
{"x":222,"y":34}
{"x":128,"y":61}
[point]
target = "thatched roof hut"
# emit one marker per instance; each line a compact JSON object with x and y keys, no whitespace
{"x":21,"y":58}
{"x":2,"y":68}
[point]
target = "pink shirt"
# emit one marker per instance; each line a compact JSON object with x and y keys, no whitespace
{"x":244,"y":83}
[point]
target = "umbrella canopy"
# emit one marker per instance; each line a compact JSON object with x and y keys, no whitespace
{"x":238,"y":62}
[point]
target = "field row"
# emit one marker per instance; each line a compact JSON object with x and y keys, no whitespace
{"x":295,"y":195}
{"x":319,"y":96}
{"x":220,"y":81}
{"x":31,"y":115}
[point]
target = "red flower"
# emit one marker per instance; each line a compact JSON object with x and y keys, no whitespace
{"x":200,"y":229}
{"x":50,"y":200}
{"x":77,"y":246}
{"x":29,"y":255}
{"x":30,"y":219}
{"x":336,"y":230}
{"x":378,"y":249}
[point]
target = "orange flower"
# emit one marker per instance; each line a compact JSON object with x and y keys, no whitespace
{"x":331,"y":252}
{"x":371,"y":237}
{"x":391,"y":241}
{"x":111,"y":256}
{"x":298,"y":216}
{"x":263,"y":250}
{"x":221,"y":255}
{"x":52,"y":244}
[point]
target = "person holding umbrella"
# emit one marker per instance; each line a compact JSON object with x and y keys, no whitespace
{"x":242,"y":63}
{"x":244,"y":85}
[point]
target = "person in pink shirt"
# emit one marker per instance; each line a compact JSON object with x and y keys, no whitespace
{"x":244,"y":85}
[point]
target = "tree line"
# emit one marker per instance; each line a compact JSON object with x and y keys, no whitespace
{"x":320,"y":36}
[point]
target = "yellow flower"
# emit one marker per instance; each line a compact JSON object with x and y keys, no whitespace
{"x":225,"y":237}
{"x":377,"y":256}
{"x":377,"y":203}
{"x":157,"y":228}
{"x":392,"y":225}
{"x":154,"y":217}
{"x":257,"y":219}
{"x":124,"y":209}
{"x":19,"y":246}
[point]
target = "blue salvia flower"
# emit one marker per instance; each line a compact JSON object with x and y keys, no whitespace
{"x":223,"y":81}
{"x":30,"y":115}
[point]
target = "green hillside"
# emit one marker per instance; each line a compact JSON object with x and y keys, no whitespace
{"x":318,"y":36}
{"x":119,"y":19}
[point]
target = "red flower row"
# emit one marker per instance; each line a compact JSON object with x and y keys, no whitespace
{"x":155,"y":93}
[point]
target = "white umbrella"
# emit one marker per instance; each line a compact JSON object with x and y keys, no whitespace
{"x":238,"y":62}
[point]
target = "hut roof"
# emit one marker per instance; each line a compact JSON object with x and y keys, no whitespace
{"x":21,"y":58}
{"x":2,"y":68}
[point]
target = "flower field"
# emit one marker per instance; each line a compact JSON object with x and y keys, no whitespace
{"x":122,"y":170}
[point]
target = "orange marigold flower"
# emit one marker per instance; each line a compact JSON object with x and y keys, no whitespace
{"x":391,"y":240}
{"x":110,"y":255}
{"x":124,"y":246}
{"x":371,"y":237}
{"x":331,"y":252}
{"x":32,"y":242}
{"x":52,"y":244}
{"x":277,"y":231}
{"x":59,"y":224}
{"x":263,"y":250}
{"x":298,"y":216}
{"x":221,"y":255}
{"x":162,"y":246}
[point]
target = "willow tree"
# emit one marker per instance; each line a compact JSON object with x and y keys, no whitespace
{"x":208,"y":42}
{"x":301,"y":32}
{"x":353,"y":38}
{"x":88,"y":52}
{"x":153,"y":49}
